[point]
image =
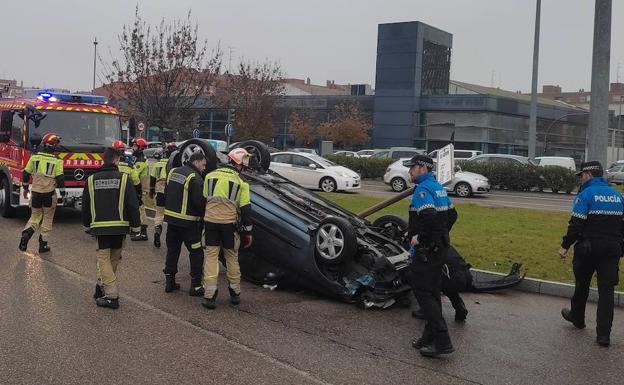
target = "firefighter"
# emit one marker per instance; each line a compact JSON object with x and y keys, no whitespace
{"x":47,"y":175}
{"x":184,"y":210}
{"x":228,"y":211}
{"x":111,"y":210}
{"x":158,"y":179}
{"x":126,"y":166}
{"x":142,"y":169}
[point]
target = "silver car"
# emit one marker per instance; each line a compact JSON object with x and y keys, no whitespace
{"x":615,"y":174}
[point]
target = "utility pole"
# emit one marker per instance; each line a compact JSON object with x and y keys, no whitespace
{"x":95,"y":43}
{"x":230,"y":60}
{"x":533,"y":111}
{"x":597,"y":132}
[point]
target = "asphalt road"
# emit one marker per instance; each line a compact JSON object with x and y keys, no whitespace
{"x":52,"y":333}
{"x":513,"y":199}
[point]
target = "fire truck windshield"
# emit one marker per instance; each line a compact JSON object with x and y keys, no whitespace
{"x":80,"y":131}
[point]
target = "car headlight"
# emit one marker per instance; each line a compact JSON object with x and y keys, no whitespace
{"x":345,"y":175}
{"x":481,"y":180}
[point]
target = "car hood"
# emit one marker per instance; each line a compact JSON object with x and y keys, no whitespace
{"x":341,"y":169}
{"x":468,"y":175}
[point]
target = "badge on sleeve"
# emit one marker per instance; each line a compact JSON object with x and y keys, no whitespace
{"x":421,"y":194}
{"x":577,"y":201}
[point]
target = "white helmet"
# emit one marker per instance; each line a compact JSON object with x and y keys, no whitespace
{"x":239,"y":156}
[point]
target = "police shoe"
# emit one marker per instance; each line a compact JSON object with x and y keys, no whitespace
{"x":434,"y":349}
{"x":43,"y":245}
{"x":211,"y":303}
{"x":170,"y":283}
{"x":567,"y":315}
{"x":99,"y":292}
{"x":112,"y":303}
{"x":422,"y":342}
{"x":603,"y":341}
{"x":234,"y":297}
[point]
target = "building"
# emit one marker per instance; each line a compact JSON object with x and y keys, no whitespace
{"x":10,"y":89}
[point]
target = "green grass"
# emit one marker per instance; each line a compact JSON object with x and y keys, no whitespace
{"x":494,"y":238}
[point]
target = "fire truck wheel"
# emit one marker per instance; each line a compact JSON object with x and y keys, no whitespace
{"x":6,"y":210}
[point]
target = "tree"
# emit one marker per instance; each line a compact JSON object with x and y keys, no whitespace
{"x":301,"y":128}
{"x":253,"y":93}
{"x":162,"y":71}
{"x":348,"y":126}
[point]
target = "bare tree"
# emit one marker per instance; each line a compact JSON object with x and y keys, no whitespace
{"x":349,"y":125}
{"x":253,"y":93}
{"x":162,"y":71}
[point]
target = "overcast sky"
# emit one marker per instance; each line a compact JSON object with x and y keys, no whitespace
{"x":49,"y":43}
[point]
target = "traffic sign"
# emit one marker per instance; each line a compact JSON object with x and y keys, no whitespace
{"x":229,"y":130}
{"x":196,"y":133}
{"x":141,"y":126}
{"x":446,"y":164}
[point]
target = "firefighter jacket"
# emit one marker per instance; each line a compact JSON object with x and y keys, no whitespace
{"x":141,"y":166}
{"x":227,"y":198}
{"x":184,"y":202}
{"x":432,"y":214}
{"x":133,"y":174}
{"x":46,"y":171}
{"x":158,"y":176}
{"x":597,"y":213}
{"x":109,"y":204}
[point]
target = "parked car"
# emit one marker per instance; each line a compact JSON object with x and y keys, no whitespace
{"x":615,"y":174}
{"x":306,"y":150}
{"x":350,"y":154}
{"x":398,"y":152}
{"x":619,"y":162}
{"x":501,"y":158}
{"x":464,"y":184}
{"x":314,"y":172}
{"x":458,"y":154}
{"x":367,"y":153}
{"x":561,"y":161}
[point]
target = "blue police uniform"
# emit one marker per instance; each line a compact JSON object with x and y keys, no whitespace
{"x":595,"y":229}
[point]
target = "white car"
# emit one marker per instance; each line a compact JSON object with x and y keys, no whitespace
{"x":464,"y":184}
{"x":350,"y":154}
{"x":561,"y":161}
{"x":367,"y":153}
{"x":314,"y":172}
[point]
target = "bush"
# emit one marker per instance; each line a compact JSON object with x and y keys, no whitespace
{"x":368,"y":168}
{"x":521,"y":177}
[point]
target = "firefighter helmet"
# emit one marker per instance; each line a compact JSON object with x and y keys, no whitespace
{"x":50,"y":140}
{"x":119,"y":146}
{"x":170,"y":148}
{"x":239,"y":156}
{"x":140,"y":143}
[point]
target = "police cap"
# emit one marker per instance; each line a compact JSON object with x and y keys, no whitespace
{"x":420,"y":160}
{"x":592,"y":166}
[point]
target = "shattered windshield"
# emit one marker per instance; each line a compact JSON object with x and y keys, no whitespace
{"x":80,"y":129}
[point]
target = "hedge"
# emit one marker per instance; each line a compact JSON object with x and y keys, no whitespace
{"x":524,"y":177}
{"x":368,"y":168}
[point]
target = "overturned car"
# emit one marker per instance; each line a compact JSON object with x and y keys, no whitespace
{"x":304,"y":240}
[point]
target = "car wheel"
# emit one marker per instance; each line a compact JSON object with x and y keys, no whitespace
{"x":260,"y":155}
{"x":328,"y":184}
{"x":173,"y":161}
{"x":6,"y":210}
{"x":392,"y":227}
{"x":463,"y":189}
{"x":398,"y":184}
{"x":192,"y":146}
{"x":335,"y":241}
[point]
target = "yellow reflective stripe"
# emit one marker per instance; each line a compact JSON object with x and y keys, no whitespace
{"x":196,"y":245}
{"x":122,"y":194}
{"x":185,"y":194}
{"x":109,"y":224}
{"x":92,"y":196}
{"x":182,"y":216}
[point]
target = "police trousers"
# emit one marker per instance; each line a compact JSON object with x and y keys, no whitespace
{"x":221,"y":237}
{"x":455,"y":283}
{"x":191,"y":238}
{"x":602,"y":257}
{"x":160,"y":209}
{"x":42,"y":208}
{"x":109,"y":256}
{"x":425,"y":278}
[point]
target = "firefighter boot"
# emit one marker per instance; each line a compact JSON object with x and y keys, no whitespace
{"x":196,"y":290}
{"x":43,"y":245}
{"x":142,"y":236}
{"x":234,"y":297}
{"x":170,"y":283}
{"x":26,"y":235}
{"x":99,"y":292}
{"x":211,"y":303}
{"x":157,"y":232}
{"x":112,"y":303}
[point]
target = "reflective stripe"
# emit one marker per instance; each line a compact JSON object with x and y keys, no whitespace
{"x":248,"y":228}
{"x":196,"y":245}
{"x":604,"y":212}
{"x":92,"y":196}
{"x":234,"y":192}
{"x":109,"y":224}
{"x":581,"y":216}
{"x":182,"y":216}
{"x":210,"y":187}
{"x":122,"y":194}
{"x":185,"y":194}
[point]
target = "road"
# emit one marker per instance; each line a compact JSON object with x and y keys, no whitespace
{"x":52,"y":333}
{"x":513,"y":199}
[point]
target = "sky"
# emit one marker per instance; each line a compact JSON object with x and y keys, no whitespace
{"x":49,"y":43}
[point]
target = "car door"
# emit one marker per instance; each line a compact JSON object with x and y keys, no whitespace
{"x":281,"y":164}
{"x":306,"y":172}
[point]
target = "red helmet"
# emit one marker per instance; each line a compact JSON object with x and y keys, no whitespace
{"x":140,"y":143}
{"x":50,"y":140}
{"x":119,"y":145}
{"x":170,"y":148}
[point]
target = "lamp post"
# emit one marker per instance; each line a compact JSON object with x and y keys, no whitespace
{"x":95,"y":43}
{"x":553,"y":123}
{"x":533,"y":110}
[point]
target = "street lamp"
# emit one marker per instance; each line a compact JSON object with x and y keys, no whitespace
{"x":553,"y":123}
{"x":95,"y":43}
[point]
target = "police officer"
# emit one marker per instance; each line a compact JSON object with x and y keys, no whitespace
{"x":158,"y":180}
{"x":431,"y":217}
{"x":110,"y":209}
{"x":126,"y":166}
{"x":595,"y":229}
{"x":142,"y":170}
{"x":228,"y":209}
{"x":184,"y":209}
{"x":47,"y":175}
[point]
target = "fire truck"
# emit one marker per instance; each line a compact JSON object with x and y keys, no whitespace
{"x":86,"y":125}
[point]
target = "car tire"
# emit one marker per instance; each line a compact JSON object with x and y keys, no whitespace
{"x":393,"y":227}
{"x":173,"y":161}
{"x":260,"y":155}
{"x":463,"y":190}
{"x":335,"y":241}
{"x":398,"y":184}
{"x":6,"y":210}
{"x":196,"y":145}
{"x":328,"y":184}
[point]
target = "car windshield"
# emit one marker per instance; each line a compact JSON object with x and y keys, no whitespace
{"x":80,"y":129}
{"x":322,"y":161}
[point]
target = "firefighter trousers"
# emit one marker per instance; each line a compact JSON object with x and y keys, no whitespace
{"x":42,"y":208}
{"x":109,"y":256}
{"x":191,"y":237}
{"x":160,"y":209}
{"x":221,"y":237}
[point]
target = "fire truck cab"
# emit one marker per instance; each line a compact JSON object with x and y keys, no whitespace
{"x":86,"y":125}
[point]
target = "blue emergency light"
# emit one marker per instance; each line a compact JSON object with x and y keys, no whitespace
{"x":50,"y":96}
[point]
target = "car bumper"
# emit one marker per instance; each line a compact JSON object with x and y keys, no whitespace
{"x":480,"y":188}
{"x":353,"y":184}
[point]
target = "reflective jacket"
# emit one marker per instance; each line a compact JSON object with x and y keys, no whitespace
{"x":131,"y":171}
{"x":227,"y":198}
{"x":158,"y":176}
{"x":109,"y":205}
{"x":597,"y":213}
{"x":46,"y":171}
{"x":432,"y":213}
{"x":184,"y":202}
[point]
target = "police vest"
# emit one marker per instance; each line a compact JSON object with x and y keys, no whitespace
{"x":178,"y":208}
{"x":128,"y":169}
{"x":106,"y":198}
{"x":44,"y":168}
{"x":602,"y":209}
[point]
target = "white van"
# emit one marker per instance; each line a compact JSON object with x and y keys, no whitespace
{"x":458,"y":154}
{"x":561,"y":161}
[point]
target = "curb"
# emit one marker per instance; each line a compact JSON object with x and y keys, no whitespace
{"x":539,"y":286}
